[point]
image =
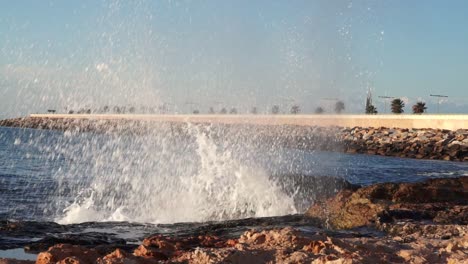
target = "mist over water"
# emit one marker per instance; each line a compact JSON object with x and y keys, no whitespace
{"x":134,"y":54}
{"x":162,"y":179}
{"x":146,"y":54}
{"x":166,"y":177}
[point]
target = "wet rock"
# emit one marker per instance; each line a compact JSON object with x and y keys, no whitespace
{"x":284,"y":245}
{"x":84,"y":239}
{"x":439,"y":200}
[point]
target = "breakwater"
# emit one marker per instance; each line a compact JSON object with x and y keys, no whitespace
{"x":407,"y":143}
{"x":419,"y":143}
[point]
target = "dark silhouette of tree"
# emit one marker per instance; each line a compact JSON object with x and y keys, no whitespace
{"x":117,"y":110}
{"x":211,"y":111}
{"x":275,"y":110}
{"x":339,"y":107}
{"x":295,"y":109}
{"x":71,"y":112}
{"x":371,"y":109}
{"x":419,"y":108}
{"x":254,"y":110}
{"x":196,"y":112}
{"x":223,"y":111}
{"x":132,"y":110}
{"x":397,"y":106}
{"x":88,"y":111}
{"x":233,"y":111}
{"x":105,"y":109}
{"x":319,"y":110}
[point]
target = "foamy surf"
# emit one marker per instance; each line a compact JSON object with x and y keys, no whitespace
{"x":210,"y":185}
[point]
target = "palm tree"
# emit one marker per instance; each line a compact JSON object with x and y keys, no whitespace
{"x":275,"y":110}
{"x":319,"y":110}
{"x":371,"y":109}
{"x":419,"y":108}
{"x":254,"y":110}
{"x":211,"y":110}
{"x":233,"y":111}
{"x":295,"y":109}
{"x":105,"y":109}
{"x":196,"y":112}
{"x":339,"y":107}
{"x":397,"y":106}
{"x":132,"y":110}
{"x":223,"y":111}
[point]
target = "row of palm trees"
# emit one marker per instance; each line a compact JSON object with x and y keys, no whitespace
{"x":118,"y":110}
{"x":275,"y":109}
{"x":397,"y":107}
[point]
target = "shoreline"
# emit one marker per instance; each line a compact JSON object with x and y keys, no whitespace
{"x":418,"y":143}
{"x":425,"y":222}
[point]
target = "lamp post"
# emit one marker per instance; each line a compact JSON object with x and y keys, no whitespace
{"x":440,"y":96}
{"x":385,"y":101}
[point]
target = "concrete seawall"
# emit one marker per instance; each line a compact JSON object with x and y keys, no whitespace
{"x":450,"y":122}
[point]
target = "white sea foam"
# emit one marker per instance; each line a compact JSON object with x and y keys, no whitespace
{"x":158,"y":180}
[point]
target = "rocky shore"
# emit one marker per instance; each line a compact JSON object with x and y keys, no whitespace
{"x":396,"y":142}
{"x":383,"y":223}
{"x":407,"y":143}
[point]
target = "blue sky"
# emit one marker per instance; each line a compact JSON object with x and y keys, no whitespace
{"x":57,"y":54}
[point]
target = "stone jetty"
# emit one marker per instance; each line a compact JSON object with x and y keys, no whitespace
{"x":407,"y":143}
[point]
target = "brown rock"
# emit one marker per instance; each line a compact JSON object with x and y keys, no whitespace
{"x":65,"y":253}
{"x":231,"y":243}
{"x":150,"y":252}
{"x":364,"y":206}
{"x":71,"y":260}
{"x":315,"y":247}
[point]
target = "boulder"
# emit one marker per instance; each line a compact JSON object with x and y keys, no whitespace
{"x":363,"y":207}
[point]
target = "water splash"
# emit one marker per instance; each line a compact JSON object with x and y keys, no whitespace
{"x":165,"y":180}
